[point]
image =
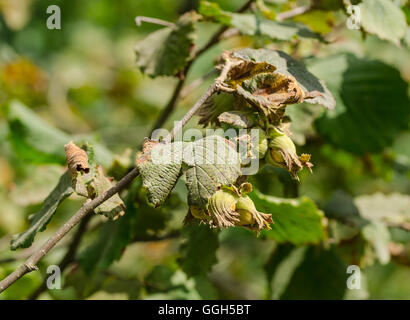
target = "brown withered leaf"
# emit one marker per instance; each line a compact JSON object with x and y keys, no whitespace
{"x":267,"y":80}
{"x":77,"y":159}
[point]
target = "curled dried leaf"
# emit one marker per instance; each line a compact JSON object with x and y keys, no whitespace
{"x":77,"y":159}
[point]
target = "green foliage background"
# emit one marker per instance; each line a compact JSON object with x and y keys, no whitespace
{"x":82,"y":82}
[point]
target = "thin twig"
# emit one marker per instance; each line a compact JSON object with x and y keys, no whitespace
{"x":195,"y":84}
{"x":30,"y":264}
{"x":292,"y":13}
{"x":159,"y":22}
{"x":213,"y":88}
{"x":174,"y":98}
{"x":68,"y":257}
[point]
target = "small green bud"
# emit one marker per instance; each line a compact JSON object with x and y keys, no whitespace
{"x":230,"y":206}
{"x":250,"y":217}
{"x":282,"y":153}
{"x":221,"y":208}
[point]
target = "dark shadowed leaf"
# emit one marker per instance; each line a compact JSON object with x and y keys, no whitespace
{"x":321,"y":275}
{"x":372,"y":103}
{"x":198,"y":252}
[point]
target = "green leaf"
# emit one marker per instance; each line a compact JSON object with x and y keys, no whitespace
{"x":364,"y":226}
{"x":372,"y":103}
{"x":113,"y":237}
{"x":280,"y":267}
{"x":166,"y":52}
{"x":212,"y":162}
{"x":213,"y":107}
{"x":198,"y":253}
{"x":318,"y":20}
{"x":213,"y":10}
{"x":39,"y":221}
{"x":297,"y":221}
{"x":113,"y":207}
{"x":384,"y":19}
{"x":160,"y":170}
{"x":321,"y":276}
{"x":253,"y":25}
{"x":33,"y":139}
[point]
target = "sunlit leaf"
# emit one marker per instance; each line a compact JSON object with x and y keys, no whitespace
{"x":297,"y":221}
{"x":383,"y":18}
{"x":254,"y":25}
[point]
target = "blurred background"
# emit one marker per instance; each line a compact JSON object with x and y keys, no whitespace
{"x":82,"y":81}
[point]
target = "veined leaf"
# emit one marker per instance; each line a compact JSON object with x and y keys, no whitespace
{"x":212,"y":162}
{"x":160,"y":170}
{"x":39,"y":221}
{"x":166,"y":52}
{"x":296,"y":221}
